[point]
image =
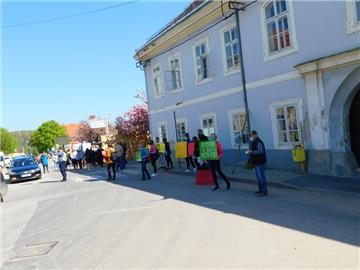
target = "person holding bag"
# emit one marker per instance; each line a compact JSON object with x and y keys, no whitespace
{"x":215,"y":167}
{"x":257,"y":157}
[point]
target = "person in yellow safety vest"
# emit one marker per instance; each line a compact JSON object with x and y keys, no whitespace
{"x":110,"y":161}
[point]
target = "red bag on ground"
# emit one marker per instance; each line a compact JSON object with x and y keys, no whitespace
{"x":204,"y":177}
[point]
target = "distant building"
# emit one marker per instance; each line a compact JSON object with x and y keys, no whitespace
{"x":302,"y":65}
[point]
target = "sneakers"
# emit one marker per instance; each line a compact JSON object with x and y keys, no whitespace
{"x":187,"y":170}
{"x":154,"y":174}
{"x":215,"y":188}
{"x":194,"y":170}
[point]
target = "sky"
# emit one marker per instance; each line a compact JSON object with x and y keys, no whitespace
{"x":69,"y":69}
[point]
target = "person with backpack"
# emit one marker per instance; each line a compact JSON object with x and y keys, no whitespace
{"x":169,"y":163}
{"x":144,"y":154}
{"x":257,"y":154}
{"x":118,"y":155}
{"x":110,"y":161}
{"x":189,"y":160}
{"x":154,"y":154}
{"x":215,"y":167}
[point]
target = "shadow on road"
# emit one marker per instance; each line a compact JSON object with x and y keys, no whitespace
{"x":323,"y":215}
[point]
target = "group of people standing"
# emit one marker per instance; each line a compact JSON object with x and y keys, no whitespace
{"x":256,"y":158}
{"x":153,"y":155}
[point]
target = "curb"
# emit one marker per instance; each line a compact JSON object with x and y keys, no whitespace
{"x":246,"y":181}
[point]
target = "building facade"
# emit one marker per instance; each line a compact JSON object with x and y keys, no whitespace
{"x":302,"y":65}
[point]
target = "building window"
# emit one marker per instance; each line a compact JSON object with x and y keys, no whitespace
{"x":278,"y":29}
{"x":157,"y":82}
{"x":238,"y":130}
{"x":174,"y":74}
{"x":208,"y":124}
{"x":287,"y":125}
{"x":202,"y":61}
{"x":277,"y":25}
{"x":162,"y":131}
{"x":180,"y":130}
{"x":353,"y":16}
{"x":231,"y":47}
{"x":286,"y":119}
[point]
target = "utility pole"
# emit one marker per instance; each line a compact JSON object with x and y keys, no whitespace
{"x":237,"y":6}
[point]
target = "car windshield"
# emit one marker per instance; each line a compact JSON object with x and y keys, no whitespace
{"x":23,"y":162}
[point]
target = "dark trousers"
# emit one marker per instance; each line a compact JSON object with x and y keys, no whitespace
{"x":120,"y":163}
{"x":46,"y":168}
{"x":74,"y":163}
{"x":260,"y":174}
{"x":153,"y":163}
{"x":144,"y":170}
{"x":62,"y":166}
{"x":189,"y":160}
{"x":214,"y":166}
{"x":169,"y":162}
{"x":80,"y":163}
{"x":111,"y":167}
{"x":197,"y":163}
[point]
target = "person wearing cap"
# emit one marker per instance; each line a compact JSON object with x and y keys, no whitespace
{"x":257,"y":155}
{"x":215,"y":167}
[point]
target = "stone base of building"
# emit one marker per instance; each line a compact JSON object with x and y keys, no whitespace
{"x":321,"y":162}
{"x":326,"y":162}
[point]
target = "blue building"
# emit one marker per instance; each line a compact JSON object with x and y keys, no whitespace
{"x":301,"y":60}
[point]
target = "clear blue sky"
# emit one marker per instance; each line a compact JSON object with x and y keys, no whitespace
{"x":69,"y":69}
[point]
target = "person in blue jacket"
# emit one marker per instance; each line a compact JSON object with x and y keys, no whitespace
{"x":144,"y":153}
{"x":44,"y":159}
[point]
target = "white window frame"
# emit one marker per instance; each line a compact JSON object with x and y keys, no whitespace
{"x":156,"y":95}
{"x":352,"y":24}
{"x":206,"y":116}
{"x":232,"y":139}
{"x":273,"y":105}
{"x":178,"y":56}
{"x":292,"y":32}
{"x":178,"y":121}
{"x":227,"y":71}
{"x":166,"y":130}
{"x":209,"y":78}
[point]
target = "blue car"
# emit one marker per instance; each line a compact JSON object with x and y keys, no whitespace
{"x":24,"y":168}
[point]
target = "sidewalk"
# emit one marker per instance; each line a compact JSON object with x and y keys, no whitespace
{"x":287,"y":179}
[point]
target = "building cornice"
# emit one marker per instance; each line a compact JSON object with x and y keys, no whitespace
{"x":329,"y":62}
{"x":182,"y":30}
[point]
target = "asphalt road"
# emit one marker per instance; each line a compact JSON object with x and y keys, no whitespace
{"x":168,"y":222}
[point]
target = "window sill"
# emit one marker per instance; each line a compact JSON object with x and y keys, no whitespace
{"x":352,"y":28}
{"x":158,"y":96}
{"x":288,"y":146}
{"x":282,"y":53}
{"x":242,"y":147}
{"x":174,"y":91}
{"x":198,"y":83}
{"x":231,"y":72}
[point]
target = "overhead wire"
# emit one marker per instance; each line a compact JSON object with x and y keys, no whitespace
{"x":143,"y":64}
{"x":69,"y":16}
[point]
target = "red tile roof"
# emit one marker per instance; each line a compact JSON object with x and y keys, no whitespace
{"x":72,"y":129}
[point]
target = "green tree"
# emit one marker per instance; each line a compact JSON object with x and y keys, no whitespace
{"x":23,"y":139}
{"x":8,"y":142}
{"x":45,"y":136}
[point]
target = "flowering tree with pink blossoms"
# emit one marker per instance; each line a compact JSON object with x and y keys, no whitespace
{"x":133,"y":126}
